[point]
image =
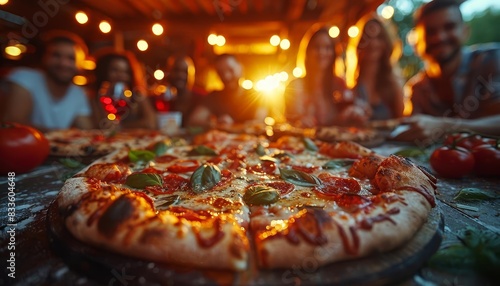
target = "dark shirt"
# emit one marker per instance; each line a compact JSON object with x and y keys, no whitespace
{"x":241,"y":107}
{"x":475,"y":86}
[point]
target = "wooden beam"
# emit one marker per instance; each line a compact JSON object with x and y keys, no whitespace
{"x":155,"y":5}
{"x":139,"y":5}
{"x":104,"y":8}
{"x":243,"y":6}
{"x":259,"y":5}
{"x":192,"y":6}
{"x":207,"y":5}
{"x":295,"y":9}
{"x":173,"y":6}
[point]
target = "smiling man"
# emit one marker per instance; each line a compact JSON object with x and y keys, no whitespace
{"x":48,"y":99}
{"x":459,"y":88}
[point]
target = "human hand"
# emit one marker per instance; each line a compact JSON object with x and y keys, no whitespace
{"x":225,"y":119}
{"x":423,"y":129}
{"x":354,"y":115}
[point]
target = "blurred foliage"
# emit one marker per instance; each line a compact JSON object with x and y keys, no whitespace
{"x":484,"y":27}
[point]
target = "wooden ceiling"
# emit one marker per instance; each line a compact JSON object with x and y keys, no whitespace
{"x":228,"y":11}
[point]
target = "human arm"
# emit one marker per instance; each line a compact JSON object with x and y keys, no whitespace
{"x":147,"y":116}
{"x":295,"y":106}
{"x":19,"y":104}
{"x":426,"y":129}
{"x":200,"y":117}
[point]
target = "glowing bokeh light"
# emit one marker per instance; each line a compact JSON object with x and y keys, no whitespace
{"x":353,"y":31}
{"x":157,"y":29}
{"x":12,"y":51}
{"x":275,"y":40}
{"x":105,"y":27}
{"x":142,"y":45}
{"x":81,"y":17}
{"x":297,"y":72}
{"x":285,"y":44}
{"x":159,"y":74}
{"x":334,"y":31}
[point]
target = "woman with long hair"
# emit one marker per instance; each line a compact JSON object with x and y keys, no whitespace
{"x":372,"y":69}
{"x":120,"y":92}
{"x":316,"y":98}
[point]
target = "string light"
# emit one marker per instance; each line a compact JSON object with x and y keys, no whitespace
{"x":275,"y":40}
{"x":212,"y":39}
{"x":157,"y":29}
{"x":159,"y":74}
{"x":142,"y":45}
{"x":81,"y":17}
{"x":353,"y":31}
{"x":247,"y":84}
{"x":105,"y":27}
{"x":387,"y":12}
{"x":3,"y":2}
{"x":297,"y":72}
{"x":221,"y":41}
{"x":12,"y":51}
{"x":334,"y":31}
{"x":285,"y":44}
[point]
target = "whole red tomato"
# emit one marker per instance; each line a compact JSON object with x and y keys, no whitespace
{"x":22,"y":148}
{"x":452,"y":162}
{"x":467,"y":140}
{"x":487,"y":160}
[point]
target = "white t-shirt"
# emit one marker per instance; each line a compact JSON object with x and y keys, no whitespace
{"x":49,"y":112}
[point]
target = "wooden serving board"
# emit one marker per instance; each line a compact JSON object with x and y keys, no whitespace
{"x":109,"y":268}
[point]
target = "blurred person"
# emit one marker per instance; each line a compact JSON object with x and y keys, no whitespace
{"x":47,"y":99}
{"x":459,"y":88}
{"x":373,"y":70}
{"x":232,"y":104}
{"x":317,"y":99}
{"x":181,"y":75}
{"x":116,"y":74}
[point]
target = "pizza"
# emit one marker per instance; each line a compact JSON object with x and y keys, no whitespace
{"x":366,"y":136}
{"x":225,"y":201}
{"x":95,"y":142}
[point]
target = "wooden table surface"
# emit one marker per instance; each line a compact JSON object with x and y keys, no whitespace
{"x":37,"y":264}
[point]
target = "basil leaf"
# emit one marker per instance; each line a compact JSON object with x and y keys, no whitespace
{"x":473,"y":194}
{"x":141,"y":180}
{"x":260,"y":150}
{"x":454,"y":258}
{"x":261,"y":195}
{"x":140,"y":155}
{"x":205,"y":178}
{"x":410,"y":152}
{"x":299,"y":178}
{"x":71,"y":163}
{"x":202,"y":150}
{"x":164,"y":203}
{"x":160,"y":148}
{"x":338,"y":163}
{"x":309,"y":144}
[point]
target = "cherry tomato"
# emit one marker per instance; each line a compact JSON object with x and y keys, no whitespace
{"x":487,"y":160}
{"x":452,"y":162}
{"x":22,"y":148}
{"x":467,"y":141}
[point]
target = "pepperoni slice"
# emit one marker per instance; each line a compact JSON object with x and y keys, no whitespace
{"x":284,"y":188}
{"x":184,"y":166}
{"x":165,"y":159}
{"x":152,"y":170}
{"x":191,"y":215}
{"x":332,"y":186}
{"x":265,"y":167}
